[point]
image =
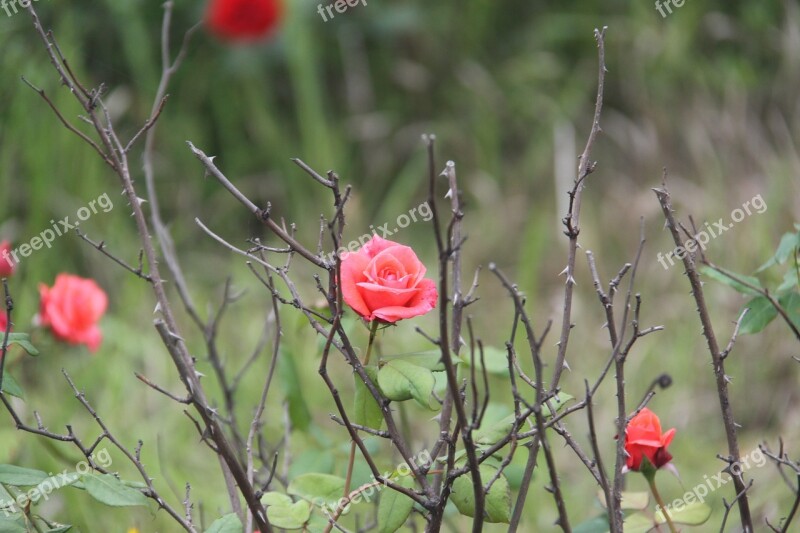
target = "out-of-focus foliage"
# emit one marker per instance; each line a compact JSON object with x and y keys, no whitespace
{"x":508,"y":88}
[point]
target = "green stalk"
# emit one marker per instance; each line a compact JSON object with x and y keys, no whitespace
{"x":372,"y":331}
{"x":651,"y":480}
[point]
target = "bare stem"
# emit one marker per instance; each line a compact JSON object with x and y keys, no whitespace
{"x":717,"y":359}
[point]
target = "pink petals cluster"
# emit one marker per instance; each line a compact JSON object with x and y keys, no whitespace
{"x":386,"y":281}
{"x":72,"y":308}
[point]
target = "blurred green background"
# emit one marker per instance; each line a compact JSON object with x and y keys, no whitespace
{"x":710,"y":92}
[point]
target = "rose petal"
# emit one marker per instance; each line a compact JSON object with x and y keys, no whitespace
{"x":421,"y":303}
{"x":406,"y":256}
{"x":71,"y":308}
{"x":379,"y":296}
{"x":383,"y":266}
{"x":667,"y":437}
{"x":92,"y":337}
{"x":352,"y":272}
{"x":375,"y":246}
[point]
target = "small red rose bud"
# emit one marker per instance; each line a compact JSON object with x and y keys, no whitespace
{"x":643,"y":438}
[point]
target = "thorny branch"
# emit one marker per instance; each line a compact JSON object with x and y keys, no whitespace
{"x":115,"y":154}
{"x":717,"y":359}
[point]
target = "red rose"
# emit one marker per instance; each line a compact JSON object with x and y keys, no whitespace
{"x":72,"y":308}
{"x":643,"y":438}
{"x":7,"y":265}
{"x":385,"y":280}
{"x":3,"y":323}
{"x":243,"y":20}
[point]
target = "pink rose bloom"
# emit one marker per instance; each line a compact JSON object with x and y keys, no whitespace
{"x":385,"y":281}
{"x":71,"y":308}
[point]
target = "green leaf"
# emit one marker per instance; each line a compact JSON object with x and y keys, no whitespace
{"x":760,"y":314}
{"x":53,"y":483}
{"x":460,"y":457}
{"x":312,"y":460}
{"x":493,"y":429}
{"x":229,"y":523}
{"x":10,"y":386}
{"x":790,"y":281}
{"x":400,"y":380}
{"x":791,"y":304}
{"x":497,"y":502}
{"x":431,"y":359}
{"x":366,"y":411}
{"x":8,"y":525}
{"x":557,"y":402}
{"x":21,"y":477}
{"x":638,"y":523}
{"x":785,"y":250}
{"x":316,"y":523}
{"x":634,"y":523}
{"x":693,"y":514}
{"x":24,"y":341}
{"x":598,"y":524}
{"x":735,"y":285}
{"x":284,"y":513}
{"x":276,"y":498}
{"x":109,"y":490}
{"x":62,"y":529}
{"x":394,"y":507}
{"x":630,"y":500}
{"x":495,"y":360}
{"x":4,"y":495}
{"x":319,"y":489}
{"x":291,"y":516}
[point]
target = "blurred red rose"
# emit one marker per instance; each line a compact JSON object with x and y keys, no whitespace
{"x":71,"y":308}
{"x":643,"y":438}
{"x":385,"y":280}
{"x":243,"y":20}
{"x":7,"y":265}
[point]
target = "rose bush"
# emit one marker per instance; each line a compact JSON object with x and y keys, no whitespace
{"x":643,"y":438}
{"x":71,"y":308}
{"x":243,"y":20}
{"x":386,"y":281}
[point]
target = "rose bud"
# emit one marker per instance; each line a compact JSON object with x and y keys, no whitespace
{"x":643,"y":438}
